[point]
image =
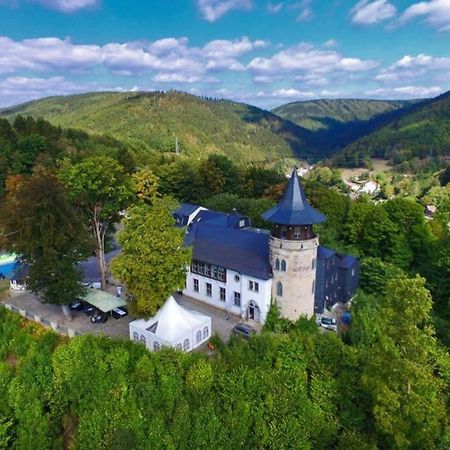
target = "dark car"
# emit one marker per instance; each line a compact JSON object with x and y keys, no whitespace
{"x":243,"y":330}
{"x":88,"y":309}
{"x":99,"y":317}
{"x":76,"y":306}
{"x":117,"y":313}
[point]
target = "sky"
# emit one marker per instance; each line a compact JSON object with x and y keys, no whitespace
{"x":262,"y":52}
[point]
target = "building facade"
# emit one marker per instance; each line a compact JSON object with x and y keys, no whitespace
{"x":242,"y":270}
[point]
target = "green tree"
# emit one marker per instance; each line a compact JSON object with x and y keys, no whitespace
{"x":401,"y":371}
{"x":100,"y":188}
{"x":39,"y":223}
{"x":145,"y":185}
{"x":153,"y":260}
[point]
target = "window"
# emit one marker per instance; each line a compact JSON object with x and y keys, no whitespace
{"x":236,"y":278}
{"x":277,"y":264}
{"x":222,"y":294}
{"x":297,"y":233}
{"x":313,"y":290}
{"x":237,"y":299}
{"x":279,"y":289}
{"x":205,"y":332}
{"x":142,"y":339}
{"x":208,"y":270}
{"x":313,"y":265}
{"x":195,"y":285}
{"x":135,"y":335}
{"x":253,"y":286}
{"x":283,"y":266}
{"x":199,"y":336}
{"x":209,"y":289}
{"x":156,"y":346}
{"x":241,"y":223}
{"x":186,"y":345}
{"x":353,"y":272}
{"x":178,"y":347}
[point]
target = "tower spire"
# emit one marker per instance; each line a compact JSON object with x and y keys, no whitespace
{"x":293,"y":208}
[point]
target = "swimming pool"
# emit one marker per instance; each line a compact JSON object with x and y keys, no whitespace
{"x":7,"y":264}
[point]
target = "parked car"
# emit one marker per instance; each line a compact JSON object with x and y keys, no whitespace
{"x":328,"y":323}
{"x":243,"y":330}
{"x":117,"y":313}
{"x":99,"y":317}
{"x":88,"y":309}
{"x":76,"y":306}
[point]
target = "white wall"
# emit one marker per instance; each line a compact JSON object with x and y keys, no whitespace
{"x":232,"y":285}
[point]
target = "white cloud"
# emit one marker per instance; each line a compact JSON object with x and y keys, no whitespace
{"x":212,"y":10}
{"x":274,"y":8}
{"x":306,"y":12}
{"x":419,"y":68}
{"x":368,"y":12}
{"x":405,"y":92}
{"x":175,"y":78}
{"x":14,"y":90}
{"x":167,"y":56}
{"x":306,"y":58}
{"x":331,"y":43}
{"x":67,"y":6}
{"x":435,"y":12}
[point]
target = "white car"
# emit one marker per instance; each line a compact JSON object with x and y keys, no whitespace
{"x":327,"y":322}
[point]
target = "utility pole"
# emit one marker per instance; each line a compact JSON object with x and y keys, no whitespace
{"x":177,"y":148}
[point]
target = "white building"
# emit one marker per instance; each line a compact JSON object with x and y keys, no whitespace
{"x":240,"y":269}
{"x":172,"y":326}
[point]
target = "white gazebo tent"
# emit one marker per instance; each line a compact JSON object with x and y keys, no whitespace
{"x":172,"y":326}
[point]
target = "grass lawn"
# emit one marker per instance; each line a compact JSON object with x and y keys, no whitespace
{"x":4,"y":289}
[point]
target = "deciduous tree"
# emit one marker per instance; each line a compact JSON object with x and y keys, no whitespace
{"x":153,"y":260}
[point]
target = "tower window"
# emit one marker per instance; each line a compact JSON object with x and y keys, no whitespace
{"x":277,"y":264}
{"x":279,"y":289}
{"x":283,"y":266}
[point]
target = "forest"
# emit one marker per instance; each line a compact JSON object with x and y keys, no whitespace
{"x":382,"y":383}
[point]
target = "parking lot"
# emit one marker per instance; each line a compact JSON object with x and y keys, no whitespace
{"x":80,"y":322}
{"x":222,"y":323}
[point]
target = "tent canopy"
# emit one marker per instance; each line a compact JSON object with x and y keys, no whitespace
{"x":172,"y":322}
{"x":103,"y":300}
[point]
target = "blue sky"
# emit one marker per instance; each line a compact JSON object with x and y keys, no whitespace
{"x":257,"y":51}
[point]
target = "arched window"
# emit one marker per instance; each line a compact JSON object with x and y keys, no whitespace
{"x":142,"y":339}
{"x":135,"y":335}
{"x":205,"y":332}
{"x":186,"y":345}
{"x":313,"y":265}
{"x":277,"y":264}
{"x":156,"y":346}
{"x":280,"y":289}
{"x":199,"y":335}
{"x":283,"y":266}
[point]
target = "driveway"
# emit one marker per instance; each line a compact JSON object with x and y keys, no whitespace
{"x":222,"y":323}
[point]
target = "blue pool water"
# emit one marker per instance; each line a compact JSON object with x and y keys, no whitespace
{"x":7,"y":269}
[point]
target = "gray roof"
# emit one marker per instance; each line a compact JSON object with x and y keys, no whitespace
{"x":293,"y":208}
{"x":243,"y":250}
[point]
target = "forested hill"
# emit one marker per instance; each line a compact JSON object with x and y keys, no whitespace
{"x":422,"y":132}
{"x":154,"y":120}
{"x":337,"y":123}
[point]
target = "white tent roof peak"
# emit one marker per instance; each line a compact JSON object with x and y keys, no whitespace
{"x":172,"y":321}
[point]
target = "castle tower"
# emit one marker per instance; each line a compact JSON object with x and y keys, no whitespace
{"x":293,"y":251}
